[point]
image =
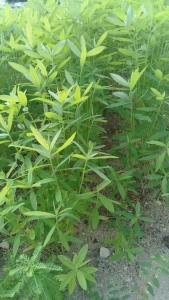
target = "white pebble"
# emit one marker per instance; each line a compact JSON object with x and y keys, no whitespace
{"x":104,"y":252}
{"x":4,"y":245}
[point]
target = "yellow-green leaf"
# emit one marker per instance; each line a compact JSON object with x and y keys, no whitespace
{"x":39,"y":214}
{"x":53,"y":76}
{"x":135,"y":76}
{"x":77,"y":101}
{"x":157,"y":93}
{"x":53,"y":115}
{"x":83,"y":57}
{"x":102,"y":38}
{"x":3,"y":123}
{"x":88,"y":88}
{"x":39,"y":137}
{"x":10,"y":118}
{"x":47,"y":25}
{"x":42,"y":68}
{"x":77,"y":93}
{"x":79,"y":156}
{"x":18,"y":67}
{"x":66,"y":144}
{"x":159,"y":74}
{"x":74,"y":48}
{"x":9,"y":98}
{"x":32,"y":54}
{"x":96,"y":51}
{"x":22,"y":98}
{"x":29,"y":34}
{"x":34,"y":77}
{"x":126,"y":52}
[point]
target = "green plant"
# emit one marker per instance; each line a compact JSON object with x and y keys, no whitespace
{"x":60,"y":69}
{"x":127,"y":233}
{"x":79,"y":271}
{"x":29,"y":278}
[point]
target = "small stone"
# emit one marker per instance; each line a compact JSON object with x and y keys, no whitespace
{"x":104,"y":252}
{"x":4,"y":245}
{"x":95,"y":241}
{"x":125,"y":268}
{"x":158,"y":203}
{"x":164,"y":229}
{"x":166,"y":241}
{"x":128,"y":279}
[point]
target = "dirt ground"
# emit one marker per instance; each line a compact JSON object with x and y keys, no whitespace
{"x":120,"y":272}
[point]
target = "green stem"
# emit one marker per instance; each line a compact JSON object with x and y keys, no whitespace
{"x":82,"y":178}
{"x":132,"y":119}
{"x":154,"y":123}
{"x":53,"y":171}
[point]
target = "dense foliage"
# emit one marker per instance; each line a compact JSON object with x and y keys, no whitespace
{"x":63,"y":67}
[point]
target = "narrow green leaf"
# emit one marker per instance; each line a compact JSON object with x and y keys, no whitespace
{"x":157,"y":93}
{"x":66,"y":261}
{"x":157,"y":143}
{"x":95,"y":51}
{"x":95,"y":218}
{"x":16,"y":243}
{"x":52,"y":115}
{"x":63,"y":240}
{"x":155,"y":281}
{"x":67,"y":278}
{"x":73,"y":47}
{"x":137,"y":208}
{"x":69,"y":78}
{"x":129,"y":17}
{"x":55,"y":139}
{"x":80,"y":156}
{"x":10,"y":119}
{"x":66,"y":144}
{"x":22,"y":98}
{"x":159,"y":74}
{"x":19,"y":68}
{"x":2,"y":122}
{"x":107,"y":203}
{"x":81,"y":279}
{"x":101,"y":39}
{"x":39,"y":214}
{"x":150,"y":289}
{"x":33,"y":200}
{"x":72,"y":284}
{"x":82,"y":254}
{"x":83,"y":57}
{"x":120,"y":80}
{"x":118,"y":256}
{"x":39,"y":137}
{"x":49,"y":235}
{"x":160,"y":161}
{"x":42,"y":67}
{"x":135,"y":76}
{"x":99,"y":173}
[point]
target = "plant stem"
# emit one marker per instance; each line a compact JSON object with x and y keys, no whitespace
{"x":82,"y":178}
{"x":157,"y":115}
